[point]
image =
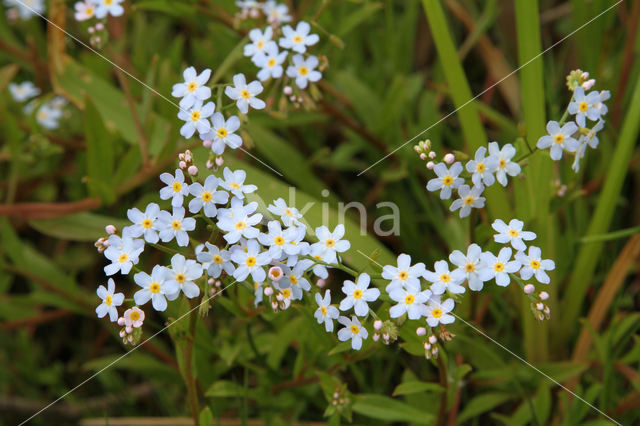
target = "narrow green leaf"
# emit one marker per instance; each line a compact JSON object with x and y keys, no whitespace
{"x":408,"y":388}
{"x":390,"y":410}
{"x":100,"y":154}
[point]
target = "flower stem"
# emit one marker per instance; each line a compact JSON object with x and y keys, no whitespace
{"x":190,"y":380}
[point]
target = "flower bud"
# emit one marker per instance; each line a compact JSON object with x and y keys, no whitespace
{"x":421,"y":331}
{"x":268,"y":291}
{"x":529,"y":288}
{"x":182,"y":165}
{"x":587,"y":85}
{"x":433,"y":339}
{"x":427,"y":346}
{"x":209,"y":164}
{"x":99,"y":26}
{"x":207,"y":143}
{"x":423,"y":156}
{"x":193,"y":170}
{"x":539,"y":306}
{"x":321,"y":283}
{"x":287,"y":90}
{"x":122,"y":333}
{"x":430,"y":165}
{"x":219,"y":161}
{"x":128,"y":329}
{"x":377,"y":324}
{"x":375,"y":337}
{"x":449,"y":158}
{"x":432,"y":155}
{"x":121,"y":321}
{"x":543,"y":295}
{"x":210,"y":281}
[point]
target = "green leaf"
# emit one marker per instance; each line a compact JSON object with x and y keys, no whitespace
{"x":481,"y":404}
{"x":100,"y":154}
{"x":408,"y":388}
{"x":225,"y":389}
{"x":206,"y":417}
{"x":390,"y":410}
{"x":6,"y":75}
{"x":77,"y":227}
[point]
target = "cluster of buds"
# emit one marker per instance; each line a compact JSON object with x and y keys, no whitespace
{"x":249,"y":11}
{"x":579,"y":78}
{"x":387,"y":330}
{"x":295,"y":100}
{"x":561,"y":189}
{"x":340,"y":398}
{"x":103,"y":242}
{"x":540,"y":310}
{"x":213,"y":162}
{"x":186,"y":163}
{"x":423,"y":148}
{"x":431,"y":347}
{"x":131,"y":324}
{"x":98,"y":35}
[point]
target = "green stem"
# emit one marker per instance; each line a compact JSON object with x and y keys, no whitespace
{"x":190,"y":379}
{"x":344,"y":268}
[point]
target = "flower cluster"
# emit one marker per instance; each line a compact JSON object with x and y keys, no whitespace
{"x":575,"y":136}
{"x":47,"y":113}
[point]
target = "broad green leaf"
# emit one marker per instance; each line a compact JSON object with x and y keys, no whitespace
{"x":408,"y":388}
{"x":481,"y":404}
{"x":77,"y":227}
{"x":390,"y":410}
{"x":225,"y":389}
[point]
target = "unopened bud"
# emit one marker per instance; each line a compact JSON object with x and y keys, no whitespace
{"x":193,"y":170}
{"x":421,"y":331}
{"x":209,"y":164}
{"x":376,"y":337}
{"x":543,"y":295}
{"x":99,"y":26}
{"x":430,"y":165}
{"x":529,"y":288}
{"x":219,"y":161}
{"x":287,"y":90}
{"x":121,"y":321}
{"x":182,"y":165}
{"x":539,"y":306}
{"x":433,"y":339}
{"x":321,"y":283}
{"x":449,"y":158}
{"x":110,"y":229}
{"x":268,"y":291}
{"x":423,"y":156}
{"x":207,"y":143}
{"x":432,"y":155}
{"x":377,"y":324}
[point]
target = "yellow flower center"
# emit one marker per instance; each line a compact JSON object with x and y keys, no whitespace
{"x":123,"y":257}
{"x":447,"y":180}
{"x":177,"y":186}
{"x":318,"y":257}
{"x":176,"y":225}
{"x":222,"y":133}
{"x":583,"y":106}
{"x":286,"y":293}
{"x":409,"y":299}
{"x":195,"y":116}
{"x":89,"y":11}
{"x":403,"y":275}
{"x":559,"y":138}
{"x":330,"y":243}
{"x":147,"y":223}
{"x":260,"y":44}
{"x":271,"y":62}
{"x":288,"y":212}
{"x":513,"y":233}
{"x":469,"y":267}
{"x":206,"y":196}
{"x":323,"y":310}
{"x":480,"y":168}
{"x":297,"y":39}
{"x":217,"y":259}
{"x":135,"y":316}
{"x":498,"y":267}
{"x":250,"y":261}
{"x":278,"y":240}
{"x":303,"y":70}
{"x":180,"y":278}
{"x":275,"y":273}
{"x":445,"y":278}
{"x":502,"y":163}
{"x":354,"y":329}
{"x":154,"y":288}
{"x":108,"y":300}
{"x":534,"y":264}
{"x":245,"y":94}
{"x":357,"y":294}
{"x":192,"y":86}
{"x":468,"y":200}
{"x":293,"y":279}
{"x":235,"y":185}
{"x":436,"y":313}
{"x":241,"y":225}
{"x":108,"y":2}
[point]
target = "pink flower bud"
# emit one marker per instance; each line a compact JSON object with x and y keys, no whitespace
{"x":423,"y":156}
{"x":128,"y":329}
{"x":432,"y":155}
{"x":377,"y":324}
{"x":91,"y":30}
{"x":292,"y":98}
{"x":210,"y":164}
{"x":193,"y":170}
{"x":268,"y":291}
{"x":449,"y":158}
{"x":106,"y":243}
{"x":587,"y":85}
{"x":529,"y":288}
{"x":110,"y":229}
{"x":585,"y":75}
{"x":182,"y":165}
{"x":321,"y":283}
{"x":219,"y":161}
{"x":433,"y":339}
{"x":544,"y":295}
{"x":99,"y":26}
{"x":181,"y":156}
{"x":207,"y":143}
{"x":122,"y":333}
{"x":427,"y":346}
{"x":421,"y":331}
{"x":376,"y":337}
{"x":287,"y":90}
{"x":121,"y":321}
{"x":539,"y":306}
{"x":210,"y":281}
{"x":430,"y":165}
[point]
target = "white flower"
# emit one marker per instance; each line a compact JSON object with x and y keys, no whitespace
{"x":325,"y":312}
{"x":442,"y":279}
{"x":274,"y":239}
{"x":143,"y":223}
{"x":175,"y":225}
{"x":109,"y":301}
{"x":48,"y":117}
{"x":331,"y":242}
{"x":217,"y":260}
{"x":245,"y":94}
{"x":590,"y":139}
{"x":358,"y":295}
{"x":297,"y":281}
{"x":133,"y":317}
{"x":404,"y":275}
{"x":234,"y":182}
{"x":250,"y":262}
{"x":270,"y":61}
{"x":285,"y":296}
{"x":499,"y":267}
{"x":482,"y":168}
{"x":559,"y":139}
{"x":505,"y":166}
{"x":196,"y":118}
{"x":318,"y":269}
{"x":85,"y":10}
{"x":411,"y":300}
{"x":276,"y":12}
{"x":239,"y":221}
{"x":183,"y":273}
{"x":111,"y":7}
{"x":532,"y":264}
{"x":257,"y":293}
{"x":512,"y":233}
{"x":470,"y":264}
{"x":154,"y":288}
{"x":193,"y":89}
{"x":260,"y":42}
{"x":352,"y":330}
{"x":23,"y":91}
{"x":288,"y":215}
{"x":222,"y":133}
{"x":206,"y":196}
{"x":585,"y":106}
{"x":438,"y":312}
{"x":447,"y":179}
{"x":27,"y":8}
{"x":294,"y":245}
{"x":123,"y":254}
{"x":599,"y":105}
{"x":176,"y":188}
{"x":298,"y":39}
{"x":468,"y":198}
{"x":303,"y":70}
